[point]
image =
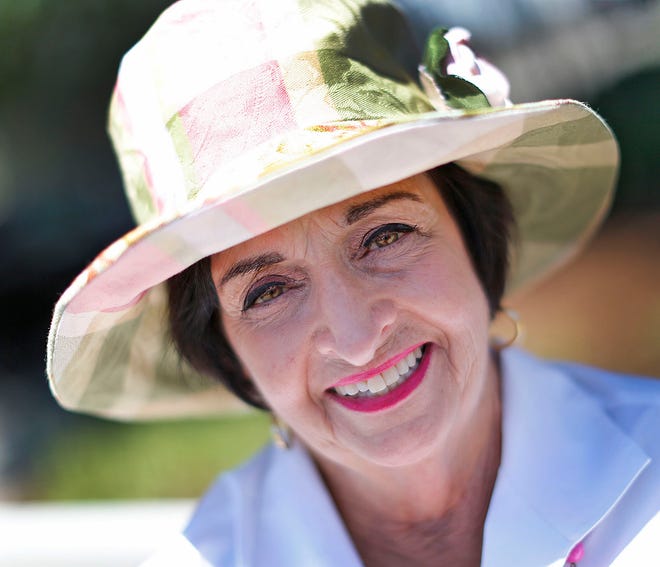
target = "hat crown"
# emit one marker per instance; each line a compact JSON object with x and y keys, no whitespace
{"x":216,"y":88}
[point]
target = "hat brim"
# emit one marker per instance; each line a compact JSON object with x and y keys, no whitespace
{"x":556,"y":160}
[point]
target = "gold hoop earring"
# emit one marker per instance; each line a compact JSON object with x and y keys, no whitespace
{"x":281,"y":433}
{"x":497,"y":342}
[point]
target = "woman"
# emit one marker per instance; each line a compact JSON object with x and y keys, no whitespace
{"x":328,"y":238}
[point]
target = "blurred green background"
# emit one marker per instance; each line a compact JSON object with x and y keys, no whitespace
{"x":61,"y":203}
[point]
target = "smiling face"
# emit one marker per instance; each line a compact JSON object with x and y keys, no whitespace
{"x":363,"y":325}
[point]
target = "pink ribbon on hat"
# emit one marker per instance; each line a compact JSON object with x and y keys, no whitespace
{"x":463,"y":63}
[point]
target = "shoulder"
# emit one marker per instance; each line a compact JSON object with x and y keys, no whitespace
{"x":630,"y":401}
{"x":213,"y":534}
{"x":633,"y":402}
{"x":226,"y":511}
{"x":611,"y":387}
{"x":582,"y":447}
{"x":249,"y":514}
{"x":607,"y":388}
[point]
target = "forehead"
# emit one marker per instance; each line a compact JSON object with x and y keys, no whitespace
{"x":418,"y":188}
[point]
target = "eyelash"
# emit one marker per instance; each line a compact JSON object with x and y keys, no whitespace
{"x":368,"y":245}
{"x":255,"y":294}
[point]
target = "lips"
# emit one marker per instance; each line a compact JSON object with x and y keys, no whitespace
{"x":385,"y":381}
{"x":370,"y":391}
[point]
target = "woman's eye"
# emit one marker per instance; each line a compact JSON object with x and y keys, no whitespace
{"x":263,"y":294}
{"x":386,"y":235}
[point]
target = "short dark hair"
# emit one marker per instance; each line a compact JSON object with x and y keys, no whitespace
{"x":480,"y":208}
{"x":484,"y":216}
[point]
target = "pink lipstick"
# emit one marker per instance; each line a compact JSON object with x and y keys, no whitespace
{"x":360,"y":376}
{"x":381,"y":401}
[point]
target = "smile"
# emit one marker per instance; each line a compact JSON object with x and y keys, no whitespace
{"x":385,"y":386}
{"x":383,"y":382}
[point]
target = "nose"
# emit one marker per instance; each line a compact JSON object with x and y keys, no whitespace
{"x":353,"y":319}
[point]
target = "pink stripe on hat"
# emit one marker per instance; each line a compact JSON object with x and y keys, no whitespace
{"x":247,"y":216}
{"x":235,"y":115}
{"x":122,"y":115}
{"x":141,"y":267}
{"x":149,"y":182}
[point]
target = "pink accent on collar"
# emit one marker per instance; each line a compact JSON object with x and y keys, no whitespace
{"x":576,"y":554}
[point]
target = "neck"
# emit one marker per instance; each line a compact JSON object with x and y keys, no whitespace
{"x":431,"y":512}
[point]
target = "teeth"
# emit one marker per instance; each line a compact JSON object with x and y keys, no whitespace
{"x":386,"y":381}
{"x":376,"y":384}
{"x":402,"y":366}
{"x":391,"y":375}
{"x":351,"y":389}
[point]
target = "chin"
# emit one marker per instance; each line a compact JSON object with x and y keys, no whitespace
{"x":404,"y":445}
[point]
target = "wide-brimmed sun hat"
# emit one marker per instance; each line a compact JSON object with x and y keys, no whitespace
{"x":230,"y":118}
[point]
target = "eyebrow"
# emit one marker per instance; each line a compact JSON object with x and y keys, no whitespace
{"x":357,"y":212}
{"x":249,"y":265}
{"x":353,"y":214}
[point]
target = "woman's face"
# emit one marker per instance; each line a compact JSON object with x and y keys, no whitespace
{"x":363,"y":325}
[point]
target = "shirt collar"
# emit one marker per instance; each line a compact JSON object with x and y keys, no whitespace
{"x":302,"y":523}
{"x":564,"y":464}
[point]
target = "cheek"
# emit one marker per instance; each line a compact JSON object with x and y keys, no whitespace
{"x":448,"y":288}
{"x":272,"y":358}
